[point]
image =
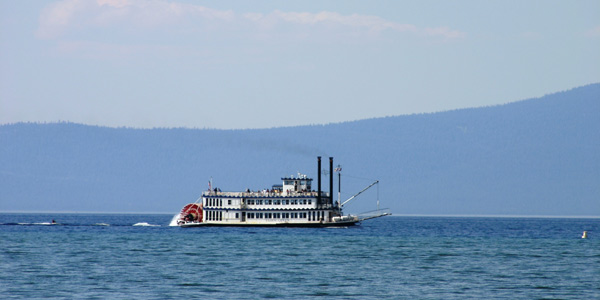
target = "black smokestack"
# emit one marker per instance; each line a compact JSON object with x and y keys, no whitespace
{"x":330,"y":180}
{"x":319,"y":180}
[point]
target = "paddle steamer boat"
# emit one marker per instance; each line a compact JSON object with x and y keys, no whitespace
{"x":294,"y":203}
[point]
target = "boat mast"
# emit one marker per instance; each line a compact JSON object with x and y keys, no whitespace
{"x":339,"y":171}
{"x":330,"y":204}
{"x":319,"y":180}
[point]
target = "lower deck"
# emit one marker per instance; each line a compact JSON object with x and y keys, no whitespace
{"x":268,"y":216}
{"x":271,"y":224}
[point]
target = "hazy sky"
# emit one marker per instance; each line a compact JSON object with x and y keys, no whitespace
{"x":256,"y":64}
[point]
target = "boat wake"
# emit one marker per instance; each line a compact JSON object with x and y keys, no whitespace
{"x":36,"y":223}
{"x":174,"y":220}
{"x":100,"y":224}
{"x":145,"y":224}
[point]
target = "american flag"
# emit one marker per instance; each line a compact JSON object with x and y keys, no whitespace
{"x":338,"y":169}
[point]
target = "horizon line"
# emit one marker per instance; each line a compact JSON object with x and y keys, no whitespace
{"x":392,"y":215}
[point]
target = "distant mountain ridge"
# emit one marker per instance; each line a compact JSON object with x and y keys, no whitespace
{"x":534,"y":157}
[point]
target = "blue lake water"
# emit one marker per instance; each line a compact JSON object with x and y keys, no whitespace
{"x":95,"y":256}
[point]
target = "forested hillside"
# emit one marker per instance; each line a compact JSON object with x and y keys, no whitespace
{"x":534,"y":157}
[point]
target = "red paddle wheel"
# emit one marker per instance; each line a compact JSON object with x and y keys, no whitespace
{"x":191,"y":213}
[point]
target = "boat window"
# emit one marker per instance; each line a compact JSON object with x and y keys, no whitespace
{"x":237,"y":215}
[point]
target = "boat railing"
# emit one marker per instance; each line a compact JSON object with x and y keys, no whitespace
{"x":262,"y":194}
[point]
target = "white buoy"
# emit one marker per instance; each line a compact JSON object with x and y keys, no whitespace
{"x":584,"y":236}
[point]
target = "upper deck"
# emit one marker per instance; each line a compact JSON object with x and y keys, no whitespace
{"x":292,"y":187}
{"x":264,"y":194}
